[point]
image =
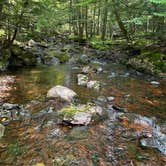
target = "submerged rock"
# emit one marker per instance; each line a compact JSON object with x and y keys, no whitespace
{"x":2,"y":130}
{"x":55,"y":133}
{"x":61,"y":92}
{"x":82,"y":79}
{"x":10,"y":112}
{"x":78,"y":133}
{"x":157,"y":140}
{"x":146,"y":129}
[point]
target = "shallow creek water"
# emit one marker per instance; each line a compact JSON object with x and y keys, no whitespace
{"x":83,"y":146}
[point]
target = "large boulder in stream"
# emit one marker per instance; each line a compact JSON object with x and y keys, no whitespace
{"x":61,"y":92}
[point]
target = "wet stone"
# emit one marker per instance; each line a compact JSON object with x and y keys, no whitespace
{"x":81,"y":118}
{"x":61,"y":92}
{"x":78,"y":133}
{"x":102,"y":99}
{"x":55,"y":133}
{"x":2,"y":130}
{"x":82,"y":79}
{"x":158,"y":141}
{"x":86,"y":69}
{"x":155,"y":83}
{"x":111,"y":98}
{"x":93,"y":84}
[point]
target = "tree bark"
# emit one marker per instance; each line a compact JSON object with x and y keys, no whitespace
{"x":119,"y":21}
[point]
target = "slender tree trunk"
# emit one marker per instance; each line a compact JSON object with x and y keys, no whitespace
{"x":119,"y":21}
{"x":98,"y":17}
{"x":104,"y":24}
{"x":94,"y":22}
{"x":86,"y":22}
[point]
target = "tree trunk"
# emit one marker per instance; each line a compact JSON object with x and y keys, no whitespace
{"x":98,"y":18}
{"x":119,"y":21}
{"x":104,"y":25}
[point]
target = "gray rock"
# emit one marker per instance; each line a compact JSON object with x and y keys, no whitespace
{"x":84,"y":59}
{"x":86,"y":69}
{"x":31,"y":43}
{"x":155,"y":83}
{"x":99,"y":69}
{"x":81,"y":118}
{"x":2,"y":130}
{"x":10,"y":106}
{"x":61,"y":92}
{"x":111,"y":98}
{"x":102,"y":99}
{"x":82,"y":79}
{"x":52,"y":61}
{"x":113,"y":74}
{"x":93,"y":84}
{"x":96,"y":110}
{"x":158,"y":141}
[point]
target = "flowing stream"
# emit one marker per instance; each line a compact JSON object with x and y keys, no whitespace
{"x":25,"y":145}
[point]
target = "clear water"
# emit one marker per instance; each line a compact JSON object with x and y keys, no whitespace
{"x":24,"y":145}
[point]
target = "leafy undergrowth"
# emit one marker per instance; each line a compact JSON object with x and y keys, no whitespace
{"x":98,"y":44}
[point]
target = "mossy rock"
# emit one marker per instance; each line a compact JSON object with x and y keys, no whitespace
{"x":95,"y":113}
{"x":22,"y":57}
{"x":63,"y":57}
{"x":149,"y":62}
{"x":69,"y":111}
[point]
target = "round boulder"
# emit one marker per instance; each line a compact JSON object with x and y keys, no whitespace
{"x":61,"y":92}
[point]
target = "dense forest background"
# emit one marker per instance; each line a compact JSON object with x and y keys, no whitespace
{"x":98,"y":24}
{"x":86,"y":19}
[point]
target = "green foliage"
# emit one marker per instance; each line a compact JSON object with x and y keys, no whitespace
{"x":158,"y":1}
{"x":100,"y":45}
{"x":138,"y":20}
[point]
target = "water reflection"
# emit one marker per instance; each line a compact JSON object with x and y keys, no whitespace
{"x":6,"y":85}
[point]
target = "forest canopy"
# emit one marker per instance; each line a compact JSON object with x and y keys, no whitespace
{"x":104,"y":19}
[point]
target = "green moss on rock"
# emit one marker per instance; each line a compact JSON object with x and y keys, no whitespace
{"x":149,"y":62}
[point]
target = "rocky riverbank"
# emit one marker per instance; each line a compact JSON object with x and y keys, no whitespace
{"x":53,"y":51}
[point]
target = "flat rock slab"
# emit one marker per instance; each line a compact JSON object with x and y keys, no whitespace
{"x":81,"y":118}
